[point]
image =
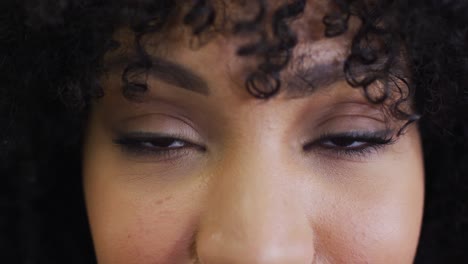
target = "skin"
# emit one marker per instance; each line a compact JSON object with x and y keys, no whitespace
{"x":244,"y":189}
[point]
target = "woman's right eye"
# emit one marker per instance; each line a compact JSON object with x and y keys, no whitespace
{"x":161,"y":143}
{"x":156,"y":145}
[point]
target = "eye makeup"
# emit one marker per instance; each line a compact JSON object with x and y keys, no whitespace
{"x":347,"y":145}
{"x":159,"y":146}
{"x":352,"y":144}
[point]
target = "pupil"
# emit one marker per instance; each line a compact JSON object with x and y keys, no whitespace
{"x":343,"y":142}
{"x":163,"y":142}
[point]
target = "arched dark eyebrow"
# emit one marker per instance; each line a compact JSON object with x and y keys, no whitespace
{"x":168,"y":72}
{"x":307,"y":80}
{"x":178,"y":75}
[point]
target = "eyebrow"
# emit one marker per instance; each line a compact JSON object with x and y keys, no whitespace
{"x":303,"y":81}
{"x":307,"y":80}
{"x":178,"y":75}
{"x":168,"y":72}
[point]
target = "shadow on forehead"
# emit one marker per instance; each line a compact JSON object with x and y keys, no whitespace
{"x":314,"y":65}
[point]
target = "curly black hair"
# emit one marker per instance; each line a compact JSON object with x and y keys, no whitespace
{"x":52,"y":54}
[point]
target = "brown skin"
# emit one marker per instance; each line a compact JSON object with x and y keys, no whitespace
{"x":244,"y":189}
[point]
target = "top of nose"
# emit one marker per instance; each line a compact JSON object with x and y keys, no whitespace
{"x":255,"y":218}
{"x":254,"y":211}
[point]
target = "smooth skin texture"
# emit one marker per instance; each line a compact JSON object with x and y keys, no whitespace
{"x":247,"y":180}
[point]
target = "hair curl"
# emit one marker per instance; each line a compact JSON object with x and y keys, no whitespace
{"x":51,"y":55}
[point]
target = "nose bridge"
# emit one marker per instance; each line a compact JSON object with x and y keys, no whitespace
{"x":253,"y":215}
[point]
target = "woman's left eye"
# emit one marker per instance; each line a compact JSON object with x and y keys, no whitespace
{"x":352,"y":143}
{"x":349,"y":143}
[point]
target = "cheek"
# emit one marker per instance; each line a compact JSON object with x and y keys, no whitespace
{"x":136,"y":221}
{"x":130,"y":228}
{"x":373,"y":223}
{"x":355,"y":234}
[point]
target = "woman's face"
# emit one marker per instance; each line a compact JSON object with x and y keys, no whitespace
{"x":199,"y":170}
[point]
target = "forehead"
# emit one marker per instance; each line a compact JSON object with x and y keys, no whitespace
{"x":215,"y":51}
{"x":308,"y":27}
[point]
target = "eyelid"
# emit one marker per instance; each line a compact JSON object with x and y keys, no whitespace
{"x":151,"y":135}
{"x":385,"y":135}
{"x":376,"y":140}
{"x":356,"y":134}
{"x":351,"y":111}
{"x":160,"y":120}
{"x":131,"y":143}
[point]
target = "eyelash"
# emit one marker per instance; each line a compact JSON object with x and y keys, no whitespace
{"x":370,"y":143}
{"x":137,"y":144}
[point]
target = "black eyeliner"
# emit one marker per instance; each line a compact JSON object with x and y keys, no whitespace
{"x":372,"y":142}
{"x":133,"y":144}
{"x":375,"y":137}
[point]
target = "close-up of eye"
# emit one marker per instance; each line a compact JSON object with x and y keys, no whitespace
{"x":352,"y":143}
{"x":156,"y":145}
